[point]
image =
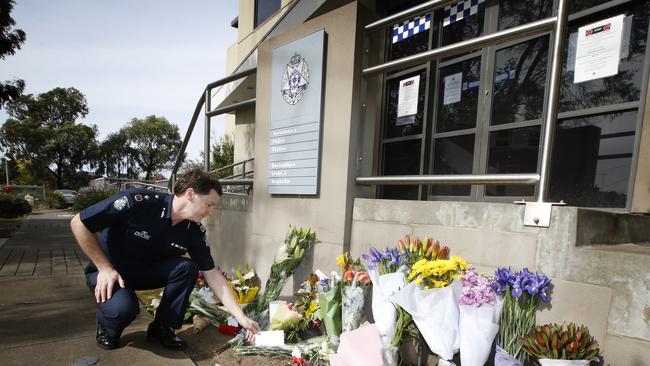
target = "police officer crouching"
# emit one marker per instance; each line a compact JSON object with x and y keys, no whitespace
{"x":143,"y":237}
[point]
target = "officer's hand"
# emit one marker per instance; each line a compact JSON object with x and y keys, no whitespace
{"x":105,"y":281}
{"x":251,"y":327}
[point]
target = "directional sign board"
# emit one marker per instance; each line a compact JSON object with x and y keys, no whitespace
{"x":296,"y":116}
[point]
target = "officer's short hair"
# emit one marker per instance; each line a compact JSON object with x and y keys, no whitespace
{"x":200,"y":181}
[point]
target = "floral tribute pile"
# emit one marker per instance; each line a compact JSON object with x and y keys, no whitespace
{"x":420,"y":293}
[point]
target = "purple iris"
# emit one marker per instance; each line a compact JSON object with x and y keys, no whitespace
{"x":393,"y":258}
{"x":373,"y":259}
{"x":502,"y":280}
{"x":386,"y":261}
{"x":522,"y":281}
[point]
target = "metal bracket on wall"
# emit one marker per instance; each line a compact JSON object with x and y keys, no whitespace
{"x":538,"y":214}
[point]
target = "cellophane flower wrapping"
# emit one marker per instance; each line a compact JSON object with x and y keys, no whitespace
{"x":480,"y":310}
{"x":502,"y":358}
{"x":354,"y":299}
{"x":355,"y":287}
{"x":329,"y":303}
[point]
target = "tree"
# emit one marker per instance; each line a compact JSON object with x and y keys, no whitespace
{"x":222,"y":152}
{"x":117,"y":157}
{"x":10,"y":41}
{"x":155,"y":142}
{"x":43,"y":132}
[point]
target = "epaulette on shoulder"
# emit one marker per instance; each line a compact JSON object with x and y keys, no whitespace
{"x":146,"y":196}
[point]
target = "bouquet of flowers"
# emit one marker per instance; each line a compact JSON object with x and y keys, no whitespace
{"x":329,"y":302}
{"x":431,"y":298}
{"x":290,"y":254}
{"x":355,"y":287}
{"x":289,"y":320}
{"x":551,"y":342}
{"x":521,"y":293}
{"x":245,"y":284}
{"x":479,"y":318}
{"x":414,"y":250}
{"x":387,"y":270}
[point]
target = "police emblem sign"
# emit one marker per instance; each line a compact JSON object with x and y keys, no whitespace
{"x":296,"y":116}
{"x":295,"y":79}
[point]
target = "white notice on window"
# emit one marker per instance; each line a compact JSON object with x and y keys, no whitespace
{"x":407,"y":102}
{"x":452,"y":88}
{"x":599,"y":49}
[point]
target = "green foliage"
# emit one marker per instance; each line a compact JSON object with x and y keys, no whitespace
{"x":144,"y":146}
{"x":89,"y":198}
{"x":12,"y":207}
{"x":154,"y":142}
{"x":117,"y":156}
{"x":55,"y":200}
{"x":10,"y":40}
{"x":42,"y":132}
{"x":563,"y":342}
{"x":223,"y":153}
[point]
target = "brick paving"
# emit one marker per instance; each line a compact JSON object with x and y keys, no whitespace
{"x":43,"y":246}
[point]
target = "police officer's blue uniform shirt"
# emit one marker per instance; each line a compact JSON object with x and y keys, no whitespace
{"x":137,"y":230}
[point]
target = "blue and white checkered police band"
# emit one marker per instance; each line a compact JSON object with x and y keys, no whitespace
{"x":463,"y":9}
{"x":402,"y":31}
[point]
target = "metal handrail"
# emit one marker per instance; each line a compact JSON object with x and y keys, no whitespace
{"x":236,"y":182}
{"x":487,"y":179}
{"x":389,"y":20}
{"x":197,"y":110}
{"x":509,"y":34}
{"x":243,"y":162}
{"x":231,"y":107}
{"x":145,"y":185}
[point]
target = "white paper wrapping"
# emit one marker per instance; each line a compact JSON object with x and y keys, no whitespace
{"x":435,"y":312}
{"x":383,"y":309}
{"x":478,"y":326}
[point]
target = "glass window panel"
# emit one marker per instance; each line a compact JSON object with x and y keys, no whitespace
{"x":579,"y":5}
{"x":401,"y":158}
{"x":466,"y":28}
{"x":513,"y":151}
{"x":519,"y":79}
{"x":622,"y":87}
{"x":592,"y":159}
{"x":404,"y":126}
{"x":516,"y":12}
{"x":458,"y":114}
{"x":414,"y":44}
{"x":264,"y":9}
{"x":453,"y":155}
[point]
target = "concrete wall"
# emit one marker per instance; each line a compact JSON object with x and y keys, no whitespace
{"x":228,"y":229}
{"x":606,"y":287}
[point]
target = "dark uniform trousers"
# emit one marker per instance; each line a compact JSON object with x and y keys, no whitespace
{"x":177,"y":275}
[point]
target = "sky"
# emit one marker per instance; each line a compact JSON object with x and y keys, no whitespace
{"x":130,"y":58}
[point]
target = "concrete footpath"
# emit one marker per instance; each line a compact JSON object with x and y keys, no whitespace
{"x":47,"y":314}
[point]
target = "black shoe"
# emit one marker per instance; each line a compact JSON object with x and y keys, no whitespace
{"x":164,"y":335}
{"x":104,"y":340}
